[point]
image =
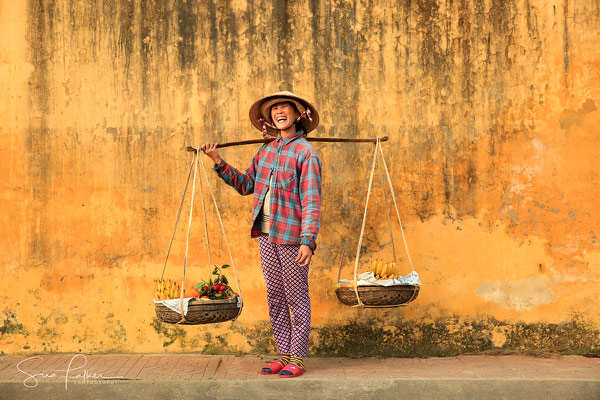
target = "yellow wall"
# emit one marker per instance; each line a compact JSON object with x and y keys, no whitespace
{"x":492,"y":112}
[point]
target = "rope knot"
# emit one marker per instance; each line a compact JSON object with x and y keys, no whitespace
{"x":263,"y":122}
{"x":306,"y":114}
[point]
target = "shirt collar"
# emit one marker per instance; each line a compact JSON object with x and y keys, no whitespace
{"x":299,"y":133}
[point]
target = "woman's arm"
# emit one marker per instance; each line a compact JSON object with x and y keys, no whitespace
{"x":243,"y":183}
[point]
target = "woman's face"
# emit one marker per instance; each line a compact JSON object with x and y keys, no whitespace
{"x":283,"y":115}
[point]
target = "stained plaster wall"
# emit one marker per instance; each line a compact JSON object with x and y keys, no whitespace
{"x":492,"y":112}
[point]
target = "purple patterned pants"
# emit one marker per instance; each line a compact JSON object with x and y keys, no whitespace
{"x":287,"y":296}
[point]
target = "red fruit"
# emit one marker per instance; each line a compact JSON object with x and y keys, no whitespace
{"x":215,"y":287}
{"x":223,"y":287}
{"x":205,"y":287}
{"x":220,"y":292}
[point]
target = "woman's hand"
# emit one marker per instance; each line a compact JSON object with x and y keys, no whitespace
{"x":210,"y":149}
{"x":304,"y":255}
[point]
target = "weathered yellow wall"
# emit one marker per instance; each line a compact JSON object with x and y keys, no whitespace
{"x":492,"y":111}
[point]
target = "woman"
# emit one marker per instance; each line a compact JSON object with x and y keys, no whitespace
{"x":285,"y":177}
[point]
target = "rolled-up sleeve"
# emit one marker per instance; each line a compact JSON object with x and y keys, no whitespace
{"x":243,"y":183}
{"x":310,"y":200}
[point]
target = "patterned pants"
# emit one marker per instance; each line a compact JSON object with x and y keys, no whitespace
{"x":287,"y":296}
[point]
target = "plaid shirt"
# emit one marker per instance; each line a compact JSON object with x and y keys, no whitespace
{"x":295,"y":189}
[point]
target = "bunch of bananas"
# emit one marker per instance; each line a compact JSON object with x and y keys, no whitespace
{"x":384,"y":271}
{"x":167,"y":290}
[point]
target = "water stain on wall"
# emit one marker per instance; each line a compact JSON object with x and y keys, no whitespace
{"x":40,"y":36}
{"x":522,"y":294}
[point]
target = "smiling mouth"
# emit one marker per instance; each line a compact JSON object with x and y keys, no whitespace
{"x":281,"y":119}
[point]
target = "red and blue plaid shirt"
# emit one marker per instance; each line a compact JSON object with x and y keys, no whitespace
{"x":295,"y":169}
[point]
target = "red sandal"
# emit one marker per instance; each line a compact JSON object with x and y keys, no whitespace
{"x":272,"y":368}
{"x":291,"y":370}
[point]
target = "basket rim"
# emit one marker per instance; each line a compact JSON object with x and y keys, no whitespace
{"x":375,"y":295}
{"x":196,"y":300}
{"x":393,"y":287}
{"x":231,"y":300}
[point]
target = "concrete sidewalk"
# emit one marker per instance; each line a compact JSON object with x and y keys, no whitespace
{"x":190,"y":376}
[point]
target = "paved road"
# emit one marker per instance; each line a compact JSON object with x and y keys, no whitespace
{"x":190,"y":376}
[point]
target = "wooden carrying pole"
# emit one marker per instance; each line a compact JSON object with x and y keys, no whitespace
{"x":311,"y":139}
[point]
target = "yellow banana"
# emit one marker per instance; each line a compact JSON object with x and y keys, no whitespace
{"x":379,"y":267}
{"x":384,"y":271}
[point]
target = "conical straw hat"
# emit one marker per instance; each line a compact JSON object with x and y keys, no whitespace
{"x":262,"y":109}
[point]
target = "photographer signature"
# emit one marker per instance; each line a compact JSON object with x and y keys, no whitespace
{"x":32,"y":379}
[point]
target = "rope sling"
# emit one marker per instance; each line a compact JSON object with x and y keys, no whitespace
{"x":194,"y":167}
{"x":415,"y":288}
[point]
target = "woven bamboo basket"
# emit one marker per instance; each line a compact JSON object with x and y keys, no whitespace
{"x":378,"y":296}
{"x":201,"y":312}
